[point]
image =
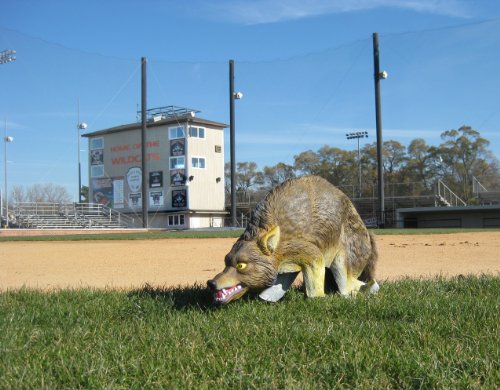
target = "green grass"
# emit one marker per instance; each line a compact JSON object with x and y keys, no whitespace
{"x":414,"y":334}
{"x":231,"y":233}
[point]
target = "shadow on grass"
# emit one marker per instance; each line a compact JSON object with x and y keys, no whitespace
{"x":199,"y":297}
{"x":180,"y":298}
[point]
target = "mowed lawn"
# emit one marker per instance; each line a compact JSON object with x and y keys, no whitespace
{"x":414,"y":334}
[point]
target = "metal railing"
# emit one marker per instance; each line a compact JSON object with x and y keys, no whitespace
{"x":68,"y":215}
{"x":477,"y":187}
{"x":446,"y":196}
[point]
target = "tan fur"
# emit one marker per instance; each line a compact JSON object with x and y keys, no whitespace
{"x":304,"y":224}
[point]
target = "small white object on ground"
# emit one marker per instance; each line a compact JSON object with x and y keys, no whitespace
{"x":279,"y":288}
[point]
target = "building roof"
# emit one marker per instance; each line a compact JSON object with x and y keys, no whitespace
{"x":161,"y":122}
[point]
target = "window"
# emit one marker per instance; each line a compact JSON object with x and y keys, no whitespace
{"x":97,"y":171}
{"x":176,"y":220}
{"x":96,"y":143}
{"x":197,"y":132}
{"x":198,"y":162}
{"x":177,"y":162}
{"x":176,"y":132}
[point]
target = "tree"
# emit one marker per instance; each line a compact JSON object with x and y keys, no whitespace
{"x":17,"y":194}
{"x":369,"y":164}
{"x":394,"y":160}
{"x":246,"y":176}
{"x":38,"y":193}
{"x":306,"y":163}
{"x":421,"y":163}
{"x":333,"y":164}
{"x":272,"y":176}
{"x":85,"y":194}
{"x":463,"y":152}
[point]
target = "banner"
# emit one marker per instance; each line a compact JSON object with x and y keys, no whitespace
{"x":135,"y":201}
{"x":156,"y":198}
{"x":177,"y":177}
{"x":179,"y":198}
{"x":118,"y":196}
{"x":155,"y":179}
{"x":102,"y":191}
{"x":177,"y":147}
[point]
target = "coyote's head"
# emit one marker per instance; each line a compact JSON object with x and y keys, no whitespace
{"x":250,"y":265}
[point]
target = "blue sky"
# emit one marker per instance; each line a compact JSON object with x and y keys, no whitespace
{"x":305,"y":68}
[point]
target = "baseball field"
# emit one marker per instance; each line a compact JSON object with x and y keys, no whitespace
{"x":126,"y":264}
{"x":102,"y":313}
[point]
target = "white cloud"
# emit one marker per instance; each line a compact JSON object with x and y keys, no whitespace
{"x":272,"y":11}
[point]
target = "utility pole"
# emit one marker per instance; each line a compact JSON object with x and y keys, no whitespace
{"x":5,"y":57}
{"x":232,"y":97}
{"x":79,"y":126}
{"x":378,"y":75}
{"x":143,"y":144}
{"x":6,"y":138}
{"x":232,"y":142}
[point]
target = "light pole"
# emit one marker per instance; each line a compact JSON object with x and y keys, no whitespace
{"x":379,"y":75}
{"x":232,"y":130}
{"x":79,"y":126}
{"x":6,"y":139}
{"x":357,"y":135}
{"x":6,"y":56}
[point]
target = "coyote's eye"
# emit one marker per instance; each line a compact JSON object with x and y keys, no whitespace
{"x":241,"y":266}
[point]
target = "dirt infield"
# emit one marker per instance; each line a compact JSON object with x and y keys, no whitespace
{"x":173,"y":262}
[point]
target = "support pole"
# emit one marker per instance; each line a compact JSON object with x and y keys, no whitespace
{"x":232,"y":142}
{"x":359,"y":171}
{"x":143,"y":145}
{"x":378,"y":117}
{"x":78,"y":151}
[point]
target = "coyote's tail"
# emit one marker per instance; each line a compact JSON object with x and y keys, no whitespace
{"x":368,"y":273}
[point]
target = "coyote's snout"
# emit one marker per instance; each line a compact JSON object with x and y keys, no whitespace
{"x":249,"y":266}
{"x":307,"y":225}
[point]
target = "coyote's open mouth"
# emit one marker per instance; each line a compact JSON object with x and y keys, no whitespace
{"x":227,"y":295}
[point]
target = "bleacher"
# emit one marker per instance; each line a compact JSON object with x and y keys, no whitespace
{"x":68,"y":216}
{"x":486,"y":196}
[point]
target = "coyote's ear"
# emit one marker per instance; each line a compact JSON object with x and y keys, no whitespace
{"x":270,"y":240}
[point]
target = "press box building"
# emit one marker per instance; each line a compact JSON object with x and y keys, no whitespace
{"x":184,"y":169}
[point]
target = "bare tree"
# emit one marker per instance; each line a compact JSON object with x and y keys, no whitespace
{"x":18,"y":194}
{"x":38,"y":193}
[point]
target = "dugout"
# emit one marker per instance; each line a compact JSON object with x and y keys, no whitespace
{"x":449,"y":217}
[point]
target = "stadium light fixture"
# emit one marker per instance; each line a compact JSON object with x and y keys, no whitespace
{"x":7,"y":56}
